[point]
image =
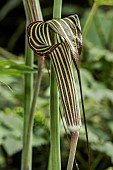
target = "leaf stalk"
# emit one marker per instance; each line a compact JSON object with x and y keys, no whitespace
{"x":54,"y":106}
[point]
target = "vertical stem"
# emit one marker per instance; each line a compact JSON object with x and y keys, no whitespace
{"x":73,"y":145}
{"x":28,"y":138}
{"x":49,"y":162}
{"x":90,"y":17}
{"x":29,"y":56}
{"x":54,"y":106}
{"x":57,"y":8}
{"x":55,"y":129}
{"x":33,"y":13}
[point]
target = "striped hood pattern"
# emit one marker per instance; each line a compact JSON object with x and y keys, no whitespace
{"x":61,"y":39}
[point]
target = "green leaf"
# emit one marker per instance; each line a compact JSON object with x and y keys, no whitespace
{"x":12,"y":145}
{"x":6,"y":86}
{"x":8,"y":67}
{"x":97,"y":31}
{"x":12,"y":122}
{"x":97,"y":53}
{"x":4,"y":131}
{"x":110,"y":125}
{"x":110,"y":168}
{"x":37,"y":141}
{"x":10,"y":5}
{"x":11,"y":130}
{"x":99,"y":132}
{"x":6,"y":64}
{"x":93,"y":138}
{"x":107,"y":148}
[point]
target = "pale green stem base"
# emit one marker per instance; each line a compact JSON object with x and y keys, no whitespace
{"x":26,"y":162}
{"x":54,"y":107}
{"x":27,"y":157}
{"x":73,"y":146}
{"x":33,"y":13}
{"x":55,"y":127}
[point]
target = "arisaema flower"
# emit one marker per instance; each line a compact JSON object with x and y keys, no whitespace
{"x":61,"y":39}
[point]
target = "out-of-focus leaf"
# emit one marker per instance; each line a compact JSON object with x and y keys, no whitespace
{"x":14,"y":38}
{"x":9,"y":67}
{"x":110,"y":125}
{"x":93,"y":138}
{"x":97,"y":131}
{"x":47,"y":92}
{"x":6,"y":96}
{"x":10,"y":64}
{"x":93,"y":89}
{"x":104,"y":2}
{"x":69,"y":8}
{"x":107,"y":148}
{"x":3,"y":131}
{"x":2,"y":159}
{"x":93,"y":32}
{"x":11,"y":72}
{"x":42,"y":102}
{"x":12,"y":145}
{"x":100,"y":94}
{"x":98,"y":53}
{"x":13,"y":122}
{"x":89,"y":81}
{"x":10,"y":5}
{"x":6,"y":54}
{"x":11,"y":132}
{"x":110,"y":168}
{"x":37,"y":141}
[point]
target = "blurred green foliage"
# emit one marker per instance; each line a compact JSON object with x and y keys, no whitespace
{"x":97,"y":81}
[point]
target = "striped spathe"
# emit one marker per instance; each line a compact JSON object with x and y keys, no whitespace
{"x":61,"y":39}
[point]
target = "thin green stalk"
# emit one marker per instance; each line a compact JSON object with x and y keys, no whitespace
{"x":33,"y":13}
{"x":26,"y":161}
{"x":55,"y":127}
{"x":29,"y":127}
{"x":54,"y":106}
{"x":88,"y":22}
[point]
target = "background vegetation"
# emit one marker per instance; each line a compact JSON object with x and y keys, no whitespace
{"x":97,"y":78}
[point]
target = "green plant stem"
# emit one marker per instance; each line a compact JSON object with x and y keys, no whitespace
{"x":57,"y":8}
{"x":29,"y":119}
{"x":49,"y":162}
{"x":33,"y":13}
{"x":30,"y":103}
{"x":55,"y":127}
{"x":54,"y":106}
{"x":29,"y":131}
{"x":88,"y":22}
{"x":26,"y":161}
